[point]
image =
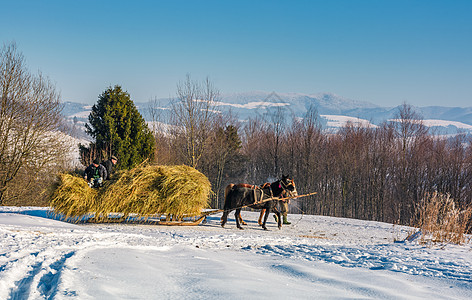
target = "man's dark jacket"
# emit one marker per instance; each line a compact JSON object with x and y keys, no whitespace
{"x":91,"y":172}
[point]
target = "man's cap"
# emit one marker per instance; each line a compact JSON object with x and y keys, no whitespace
{"x":96,"y":161}
{"x":113,"y":157}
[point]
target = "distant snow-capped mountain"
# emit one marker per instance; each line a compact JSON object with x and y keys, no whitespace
{"x":298,"y":103}
{"x":334,"y":110}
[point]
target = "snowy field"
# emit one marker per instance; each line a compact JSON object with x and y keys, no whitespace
{"x":314,"y":258}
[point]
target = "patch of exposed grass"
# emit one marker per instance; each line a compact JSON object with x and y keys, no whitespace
{"x":441,"y":220}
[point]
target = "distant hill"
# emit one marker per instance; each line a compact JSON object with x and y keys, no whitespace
{"x":333,"y":109}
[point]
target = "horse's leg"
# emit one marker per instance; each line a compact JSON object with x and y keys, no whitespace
{"x":224,"y":218}
{"x":267,"y":213}
{"x":279,"y":219}
{"x":237,"y":215}
{"x":260,"y":216}
{"x":241,"y":220}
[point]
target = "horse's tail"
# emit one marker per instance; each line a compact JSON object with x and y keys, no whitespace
{"x":228,"y":189}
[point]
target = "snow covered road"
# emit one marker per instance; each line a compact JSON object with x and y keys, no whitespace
{"x":314,"y":258}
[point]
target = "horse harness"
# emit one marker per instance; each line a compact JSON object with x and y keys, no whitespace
{"x":255,"y":188}
{"x":261,"y":188}
{"x":285,"y":186}
{"x":265,"y":185}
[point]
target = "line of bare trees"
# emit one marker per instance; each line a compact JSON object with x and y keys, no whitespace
{"x":378,"y":173}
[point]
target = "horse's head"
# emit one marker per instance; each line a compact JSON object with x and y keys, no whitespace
{"x":288,"y":186}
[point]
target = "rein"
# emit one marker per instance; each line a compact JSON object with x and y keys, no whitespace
{"x":265,"y":200}
{"x":269,"y":199}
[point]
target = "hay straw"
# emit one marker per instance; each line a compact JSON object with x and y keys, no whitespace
{"x":73,"y":197}
{"x":172,"y":190}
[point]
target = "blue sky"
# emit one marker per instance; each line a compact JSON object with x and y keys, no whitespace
{"x":384,"y":52}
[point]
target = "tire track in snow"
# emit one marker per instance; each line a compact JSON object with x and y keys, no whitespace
{"x":23,"y":286}
{"x":33,"y":270}
{"x":33,"y":275}
{"x":48,"y":282}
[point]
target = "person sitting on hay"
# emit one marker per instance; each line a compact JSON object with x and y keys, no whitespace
{"x":109,"y":164}
{"x":95,"y":173}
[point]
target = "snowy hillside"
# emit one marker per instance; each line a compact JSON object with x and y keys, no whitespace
{"x":334,"y":121}
{"x":314,"y":258}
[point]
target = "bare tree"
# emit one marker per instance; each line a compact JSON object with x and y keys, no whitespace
{"x":160,"y":128}
{"x":411,"y":135}
{"x":409,"y":125}
{"x":193,"y":114}
{"x":30,"y":113}
{"x":254,"y":149}
{"x":223,"y":160}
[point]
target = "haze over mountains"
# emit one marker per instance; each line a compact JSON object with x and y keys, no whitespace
{"x":333,"y":109}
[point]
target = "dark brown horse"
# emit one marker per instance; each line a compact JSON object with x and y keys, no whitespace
{"x":231,"y":186}
{"x":242,"y":195}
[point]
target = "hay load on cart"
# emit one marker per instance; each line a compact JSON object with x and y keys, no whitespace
{"x":161,"y":194}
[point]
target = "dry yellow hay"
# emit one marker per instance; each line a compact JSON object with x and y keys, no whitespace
{"x":73,"y":197}
{"x":146,"y":190}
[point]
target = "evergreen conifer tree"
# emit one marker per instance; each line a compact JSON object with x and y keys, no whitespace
{"x":118,"y":129}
